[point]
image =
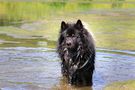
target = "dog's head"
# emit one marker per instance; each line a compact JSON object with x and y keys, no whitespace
{"x":70,"y":34}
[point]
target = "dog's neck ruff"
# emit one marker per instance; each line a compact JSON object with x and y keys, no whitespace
{"x":78,"y":57}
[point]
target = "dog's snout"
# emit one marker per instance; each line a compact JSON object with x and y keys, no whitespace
{"x":68,"y":43}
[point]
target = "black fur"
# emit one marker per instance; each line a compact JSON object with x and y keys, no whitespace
{"x":77,"y":52}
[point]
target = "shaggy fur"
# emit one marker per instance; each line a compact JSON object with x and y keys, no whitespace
{"x":77,"y":52}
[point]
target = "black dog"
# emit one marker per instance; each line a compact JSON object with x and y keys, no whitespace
{"x":77,"y":52}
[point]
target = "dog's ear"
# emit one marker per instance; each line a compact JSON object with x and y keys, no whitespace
{"x":79,"y":24}
{"x":63,"y":26}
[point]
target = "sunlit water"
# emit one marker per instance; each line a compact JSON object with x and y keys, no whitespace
{"x":39,"y":69}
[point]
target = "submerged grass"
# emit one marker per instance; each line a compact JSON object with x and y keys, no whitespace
{"x":128,"y":85}
{"x":113,"y":32}
{"x":9,"y":41}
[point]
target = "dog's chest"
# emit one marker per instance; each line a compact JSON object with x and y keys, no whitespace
{"x":69,"y":56}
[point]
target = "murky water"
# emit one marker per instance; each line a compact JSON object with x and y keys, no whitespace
{"x":24,"y":68}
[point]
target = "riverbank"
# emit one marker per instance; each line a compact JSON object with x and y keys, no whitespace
{"x":110,"y":31}
{"x":127,"y":85}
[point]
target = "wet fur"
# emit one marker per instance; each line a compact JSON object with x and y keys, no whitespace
{"x":73,"y":60}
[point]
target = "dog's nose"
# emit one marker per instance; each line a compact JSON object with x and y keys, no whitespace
{"x":68,"y":43}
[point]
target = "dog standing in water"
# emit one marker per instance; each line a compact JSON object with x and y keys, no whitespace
{"x":77,"y":52}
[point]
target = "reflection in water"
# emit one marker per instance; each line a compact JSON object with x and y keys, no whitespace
{"x":39,"y":69}
{"x":64,"y":85}
{"x":34,"y":41}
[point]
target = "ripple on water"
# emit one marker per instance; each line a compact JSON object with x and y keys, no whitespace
{"x":39,"y":68}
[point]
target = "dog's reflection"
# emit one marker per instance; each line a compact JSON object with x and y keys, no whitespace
{"x":63,"y":85}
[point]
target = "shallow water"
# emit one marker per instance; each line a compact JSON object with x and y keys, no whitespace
{"x":39,"y":69}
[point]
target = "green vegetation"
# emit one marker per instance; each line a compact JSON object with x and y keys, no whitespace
{"x":111,"y":22}
{"x":128,"y":85}
{"x":20,"y":12}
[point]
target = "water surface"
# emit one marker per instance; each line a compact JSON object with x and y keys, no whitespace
{"x":39,"y":69}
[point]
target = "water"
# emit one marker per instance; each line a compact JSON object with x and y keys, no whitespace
{"x":39,"y":69}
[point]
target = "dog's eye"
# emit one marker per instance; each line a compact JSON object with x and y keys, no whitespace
{"x":67,"y":35}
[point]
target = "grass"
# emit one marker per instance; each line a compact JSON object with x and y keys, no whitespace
{"x":31,"y":11}
{"x":110,"y":32}
{"x":128,"y":85}
{"x":115,"y":32}
{"x":113,"y":28}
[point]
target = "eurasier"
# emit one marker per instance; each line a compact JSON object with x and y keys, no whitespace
{"x":77,"y":52}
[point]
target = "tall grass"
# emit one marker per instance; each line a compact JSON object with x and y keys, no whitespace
{"x":19,"y":12}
